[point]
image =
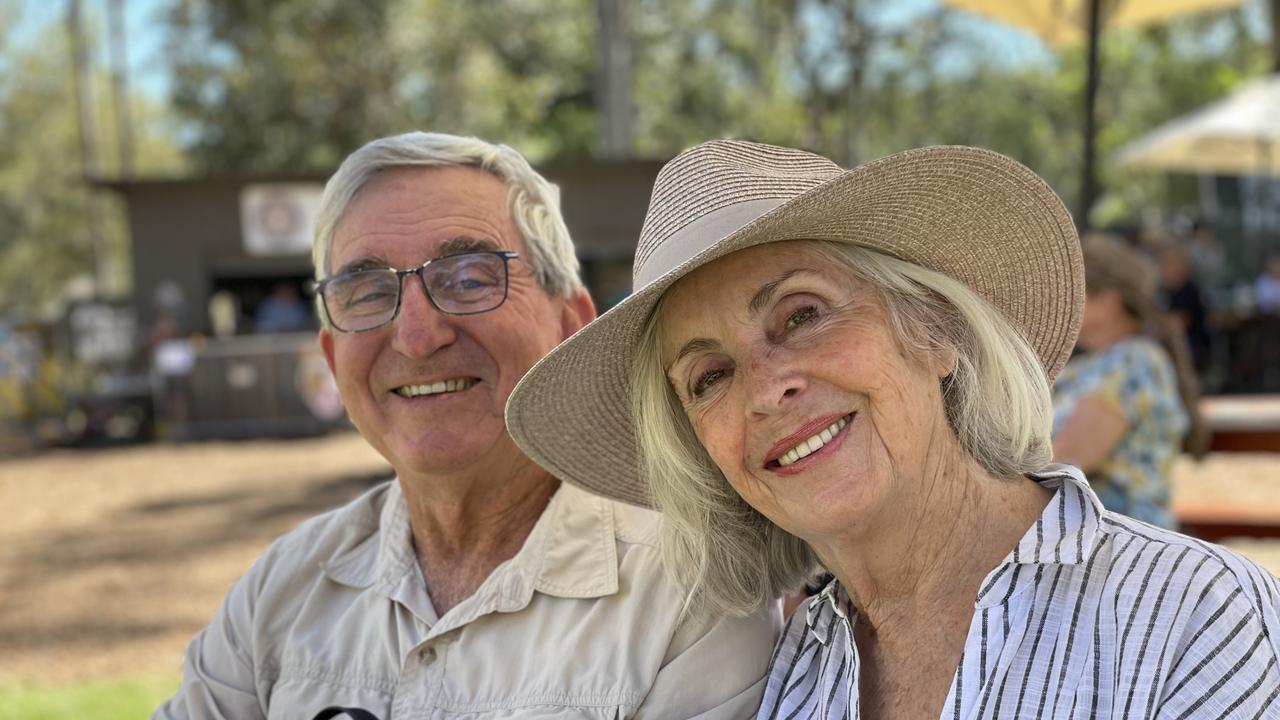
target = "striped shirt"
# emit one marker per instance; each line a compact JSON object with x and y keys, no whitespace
{"x":1092,"y":615}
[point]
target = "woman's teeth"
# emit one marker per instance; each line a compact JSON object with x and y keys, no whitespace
{"x":435,"y":388}
{"x":810,"y":446}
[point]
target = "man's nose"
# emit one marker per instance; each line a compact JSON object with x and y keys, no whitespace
{"x":419,"y":329}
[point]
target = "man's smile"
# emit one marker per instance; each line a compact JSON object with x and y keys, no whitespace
{"x":438,"y":387}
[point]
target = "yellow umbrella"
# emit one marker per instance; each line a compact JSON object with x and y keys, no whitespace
{"x":1065,"y":22}
{"x":1061,"y":23}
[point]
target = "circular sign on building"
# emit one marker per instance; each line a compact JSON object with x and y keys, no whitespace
{"x":279,"y":218}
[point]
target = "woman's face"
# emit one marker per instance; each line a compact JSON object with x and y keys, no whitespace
{"x":790,"y":374}
{"x":1103,"y":312}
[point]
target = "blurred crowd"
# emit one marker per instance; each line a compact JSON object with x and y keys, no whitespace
{"x":1229,"y":312}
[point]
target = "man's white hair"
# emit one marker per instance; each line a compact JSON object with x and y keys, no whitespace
{"x":535,"y":202}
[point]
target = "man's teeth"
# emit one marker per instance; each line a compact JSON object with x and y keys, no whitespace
{"x":810,"y":446}
{"x":435,"y":388}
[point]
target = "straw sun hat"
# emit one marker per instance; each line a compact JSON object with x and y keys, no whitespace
{"x":972,"y":214}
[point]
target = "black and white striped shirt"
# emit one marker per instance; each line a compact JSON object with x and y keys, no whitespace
{"x":1092,"y":615}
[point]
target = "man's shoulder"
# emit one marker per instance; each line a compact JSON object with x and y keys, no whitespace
{"x":329,"y":536}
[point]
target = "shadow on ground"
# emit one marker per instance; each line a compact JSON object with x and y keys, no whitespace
{"x":136,"y":556}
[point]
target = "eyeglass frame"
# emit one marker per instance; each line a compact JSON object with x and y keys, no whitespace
{"x":317,"y":286}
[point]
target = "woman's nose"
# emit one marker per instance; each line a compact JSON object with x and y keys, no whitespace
{"x":773,"y":385}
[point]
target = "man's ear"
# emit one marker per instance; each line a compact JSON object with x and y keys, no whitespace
{"x":577,"y":311}
{"x":326,"y":347}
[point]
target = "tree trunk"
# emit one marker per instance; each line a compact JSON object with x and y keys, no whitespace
{"x":857,"y":43}
{"x":120,"y":86}
{"x":83,"y":89}
{"x":1275,"y":35}
{"x":613,"y":82}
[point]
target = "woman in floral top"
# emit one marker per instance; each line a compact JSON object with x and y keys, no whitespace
{"x":1124,"y":407}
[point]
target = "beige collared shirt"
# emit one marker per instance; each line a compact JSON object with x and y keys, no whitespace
{"x":581,"y":623}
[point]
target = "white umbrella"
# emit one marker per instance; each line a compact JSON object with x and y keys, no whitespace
{"x":1237,"y":135}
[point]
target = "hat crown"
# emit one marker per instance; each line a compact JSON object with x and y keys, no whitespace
{"x":716,"y":175}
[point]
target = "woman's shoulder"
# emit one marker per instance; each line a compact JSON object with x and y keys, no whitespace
{"x":1154,"y":565}
{"x":1135,"y":357}
{"x":1138,"y":353}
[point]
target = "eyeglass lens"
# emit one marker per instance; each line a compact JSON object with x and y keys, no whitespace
{"x":458,"y":284}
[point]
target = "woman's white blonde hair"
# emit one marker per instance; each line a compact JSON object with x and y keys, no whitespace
{"x":996,"y":399}
{"x":534,"y":202}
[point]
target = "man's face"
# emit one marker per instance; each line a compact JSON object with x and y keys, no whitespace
{"x":402,"y":219}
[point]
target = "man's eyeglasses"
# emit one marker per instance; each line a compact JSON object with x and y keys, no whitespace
{"x":462,"y":284}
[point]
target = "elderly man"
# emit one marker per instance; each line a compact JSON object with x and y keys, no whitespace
{"x":475,"y":585}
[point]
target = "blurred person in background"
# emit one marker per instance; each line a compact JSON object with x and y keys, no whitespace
{"x":1207,"y":260}
{"x":1266,"y":289}
{"x":474,"y":584}
{"x":1125,"y":406}
{"x":1182,"y":296}
{"x":282,"y":311}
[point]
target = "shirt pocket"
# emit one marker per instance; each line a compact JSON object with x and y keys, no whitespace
{"x":301,"y":698}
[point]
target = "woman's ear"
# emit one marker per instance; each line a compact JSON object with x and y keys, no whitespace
{"x":943,"y":361}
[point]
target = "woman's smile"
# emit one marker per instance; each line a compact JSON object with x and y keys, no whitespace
{"x":808,"y":445}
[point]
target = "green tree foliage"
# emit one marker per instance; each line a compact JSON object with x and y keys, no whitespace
{"x":516,"y":71}
{"x":266,"y":86}
{"x":45,"y":239}
{"x":294,"y":84}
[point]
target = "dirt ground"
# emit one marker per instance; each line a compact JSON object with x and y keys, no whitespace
{"x":111,"y":559}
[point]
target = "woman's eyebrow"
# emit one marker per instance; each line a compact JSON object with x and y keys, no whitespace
{"x":762,"y":297}
{"x":693,"y":346}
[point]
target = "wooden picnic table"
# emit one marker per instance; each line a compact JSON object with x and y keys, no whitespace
{"x":1235,"y":491}
{"x":1243,"y":423}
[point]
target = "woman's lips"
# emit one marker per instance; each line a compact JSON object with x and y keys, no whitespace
{"x":809,"y":440}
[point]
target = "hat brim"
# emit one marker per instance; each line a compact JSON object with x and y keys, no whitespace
{"x":972,"y":214}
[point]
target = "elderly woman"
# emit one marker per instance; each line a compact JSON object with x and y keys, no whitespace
{"x":849,"y":371}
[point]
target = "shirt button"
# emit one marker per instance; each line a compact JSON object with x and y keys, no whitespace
{"x":428,"y":655}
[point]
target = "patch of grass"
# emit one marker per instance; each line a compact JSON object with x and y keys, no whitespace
{"x":125,"y":699}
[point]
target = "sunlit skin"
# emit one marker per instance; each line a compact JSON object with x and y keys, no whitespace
{"x":906,"y":520}
{"x":459,"y":468}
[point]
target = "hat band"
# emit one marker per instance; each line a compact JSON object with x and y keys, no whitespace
{"x":699,"y":235}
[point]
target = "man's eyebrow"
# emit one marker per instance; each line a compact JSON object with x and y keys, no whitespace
{"x":452,"y":246}
{"x":368,"y":262}
{"x":695,"y":345}
{"x":765,"y":294}
{"x":465,"y":243}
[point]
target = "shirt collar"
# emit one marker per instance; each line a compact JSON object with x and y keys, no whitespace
{"x":379,"y":534}
{"x":825,"y":611}
{"x":1064,"y":534}
{"x":571,"y":552}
